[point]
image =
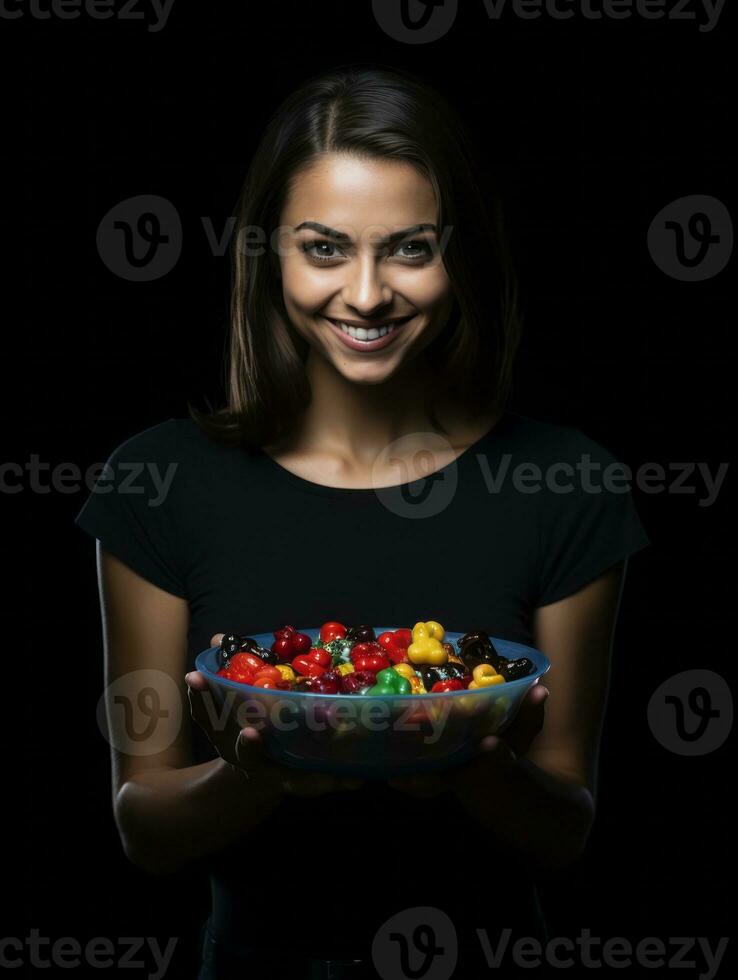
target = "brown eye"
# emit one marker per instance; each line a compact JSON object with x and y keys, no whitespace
{"x":307,"y":248}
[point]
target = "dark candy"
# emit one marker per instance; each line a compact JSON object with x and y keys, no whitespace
{"x":476,"y":648}
{"x":361,"y":634}
{"x":430,"y":674}
{"x":267,"y":655}
{"x":230,"y":644}
{"x":512,"y":670}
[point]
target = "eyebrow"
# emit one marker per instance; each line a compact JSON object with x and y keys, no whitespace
{"x":343,"y":237}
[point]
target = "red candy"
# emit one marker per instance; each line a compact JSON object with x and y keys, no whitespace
{"x":332,"y":631}
{"x":395,"y":644}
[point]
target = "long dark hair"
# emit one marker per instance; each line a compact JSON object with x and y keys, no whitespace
{"x":375,"y":112}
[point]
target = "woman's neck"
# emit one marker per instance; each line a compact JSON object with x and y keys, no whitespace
{"x":348,"y":429}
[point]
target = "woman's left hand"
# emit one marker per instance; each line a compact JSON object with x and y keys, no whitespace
{"x":495,"y":751}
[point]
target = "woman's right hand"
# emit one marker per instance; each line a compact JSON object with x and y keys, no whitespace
{"x":243,"y":749}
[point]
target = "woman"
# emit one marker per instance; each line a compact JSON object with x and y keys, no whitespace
{"x":365,"y":469}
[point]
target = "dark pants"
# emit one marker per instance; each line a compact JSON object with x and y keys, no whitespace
{"x":228,"y":961}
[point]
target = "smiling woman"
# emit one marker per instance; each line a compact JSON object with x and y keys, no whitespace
{"x":372,"y":204}
{"x":370,"y":360}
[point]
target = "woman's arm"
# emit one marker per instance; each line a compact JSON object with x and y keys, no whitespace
{"x":168,"y":811}
{"x":537,"y":791}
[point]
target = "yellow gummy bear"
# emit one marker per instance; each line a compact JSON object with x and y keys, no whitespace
{"x":427,"y":650}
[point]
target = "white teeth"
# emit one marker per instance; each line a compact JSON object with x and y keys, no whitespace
{"x":359,"y":333}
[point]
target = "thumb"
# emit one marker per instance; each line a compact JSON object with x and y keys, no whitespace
{"x":250,"y":752}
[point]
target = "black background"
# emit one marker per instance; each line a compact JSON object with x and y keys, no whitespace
{"x":589,"y":129}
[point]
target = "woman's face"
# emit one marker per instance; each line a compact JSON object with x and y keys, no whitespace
{"x":386,"y":273}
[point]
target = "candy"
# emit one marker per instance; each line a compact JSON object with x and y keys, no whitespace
{"x":395,"y":644}
{"x":357,"y":683}
{"x":353,"y":661}
{"x":430,"y":675}
{"x":426,"y":647}
{"x":331,"y":631}
{"x":288,"y":642}
{"x":389,"y":681}
{"x":360,"y":634}
{"x":476,"y":647}
{"x":485,"y":675}
{"x":442,"y":687}
{"x":512,"y":670}
{"x":340,"y":650}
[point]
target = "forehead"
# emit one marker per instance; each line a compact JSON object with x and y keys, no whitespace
{"x":340,"y":189}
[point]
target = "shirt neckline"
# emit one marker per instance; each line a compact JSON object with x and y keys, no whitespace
{"x":358,"y":493}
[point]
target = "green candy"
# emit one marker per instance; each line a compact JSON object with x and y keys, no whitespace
{"x":381,"y":689}
{"x":390,"y":682}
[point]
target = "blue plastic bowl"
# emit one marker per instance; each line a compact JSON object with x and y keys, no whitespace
{"x":371,"y":736}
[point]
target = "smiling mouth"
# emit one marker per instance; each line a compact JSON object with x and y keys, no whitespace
{"x":369,"y":333}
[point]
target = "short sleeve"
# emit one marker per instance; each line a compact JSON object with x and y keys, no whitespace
{"x":132,"y":508}
{"x":588,"y":519}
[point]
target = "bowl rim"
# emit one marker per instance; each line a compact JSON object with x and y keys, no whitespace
{"x":529,"y":679}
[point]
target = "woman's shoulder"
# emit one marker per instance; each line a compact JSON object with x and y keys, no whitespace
{"x":174,"y":436}
{"x":553,"y":442}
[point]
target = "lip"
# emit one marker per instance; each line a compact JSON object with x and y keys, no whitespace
{"x":368,"y":345}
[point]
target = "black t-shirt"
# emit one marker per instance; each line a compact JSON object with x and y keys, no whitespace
{"x":527,"y":515}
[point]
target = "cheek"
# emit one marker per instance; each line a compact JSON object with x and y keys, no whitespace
{"x":427,"y":289}
{"x":304,"y":287}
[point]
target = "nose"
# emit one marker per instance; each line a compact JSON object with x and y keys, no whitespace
{"x":366,"y":290}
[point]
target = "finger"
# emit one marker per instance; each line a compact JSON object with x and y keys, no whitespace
{"x":215,"y":639}
{"x":250,"y":752}
{"x":196,"y":680}
{"x":195,"y":695}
